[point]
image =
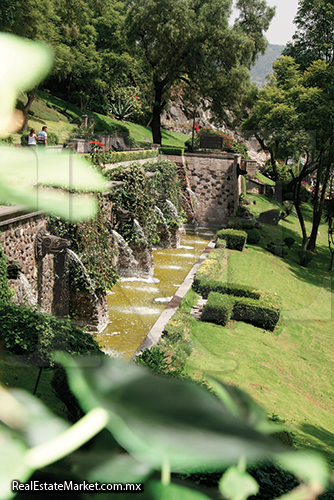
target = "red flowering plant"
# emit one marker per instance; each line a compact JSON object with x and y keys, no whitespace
{"x":100,"y":154}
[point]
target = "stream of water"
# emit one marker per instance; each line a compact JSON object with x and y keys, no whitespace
{"x":135,"y":304}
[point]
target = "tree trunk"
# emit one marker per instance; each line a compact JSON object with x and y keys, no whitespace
{"x":31,"y":97}
{"x":296,"y":202}
{"x":158,"y":106}
{"x":318,"y":208}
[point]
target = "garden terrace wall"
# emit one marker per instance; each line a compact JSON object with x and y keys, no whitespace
{"x":41,"y":284}
{"x":213,"y":180}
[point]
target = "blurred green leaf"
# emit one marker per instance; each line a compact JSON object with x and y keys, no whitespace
{"x":12,"y":464}
{"x":157,"y":419}
{"x":309,"y":467}
{"x":237,"y":485}
{"x":244,"y":407}
{"x":114,"y":468}
{"x":41,"y":424}
{"x":158,"y":491}
{"x":27,"y":174}
{"x":24,"y":63}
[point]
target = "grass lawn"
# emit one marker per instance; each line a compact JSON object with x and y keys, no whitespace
{"x":289,"y":372}
{"x":44,"y":112}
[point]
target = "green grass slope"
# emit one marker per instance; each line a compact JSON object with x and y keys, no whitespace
{"x":49,"y":110}
{"x":289,"y":372}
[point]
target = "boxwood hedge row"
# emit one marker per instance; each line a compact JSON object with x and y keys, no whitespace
{"x":235,"y":240}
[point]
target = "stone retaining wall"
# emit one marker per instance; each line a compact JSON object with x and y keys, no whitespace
{"x":214,"y":183}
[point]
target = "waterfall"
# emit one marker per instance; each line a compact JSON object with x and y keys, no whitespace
{"x":75,"y":260}
{"x":139,"y":231}
{"x":193,"y":198}
{"x":164,"y":223}
{"x":25,"y":291}
{"x":191,"y":209}
{"x":127,"y":263}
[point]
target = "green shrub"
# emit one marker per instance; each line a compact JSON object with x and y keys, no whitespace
{"x":210,"y":268}
{"x":171,"y":150}
{"x":24,"y":140}
{"x":220,"y":243}
{"x":5,"y":293}
{"x":253,"y":236}
{"x":52,"y":139}
{"x":218,"y":308}
{"x":35,"y":337}
{"x":119,"y":156}
{"x":157,"y":360}
{"x":261,"y":313}
{"x":235,"y":240}
{"x":278,"y":248}
{"x":305,"y":257}
{"x":289,"y":242}
{"x":205,"y":287}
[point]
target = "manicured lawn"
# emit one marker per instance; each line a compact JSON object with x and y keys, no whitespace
{"x":44,"y":113}
{"x":289,"y":372}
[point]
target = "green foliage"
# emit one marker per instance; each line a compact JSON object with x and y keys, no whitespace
{"x":305,"y":257}
{"x":135,"y":195}
{"x":33,"y":338}
{"x":52,"y":139}
{"x":289,"y":242}
{"x":5,"y":293}
{"x":253,"y":236}
{"x":93,"y":243}
{"x":218,"y":308}
{"x":210,"y":268}
{"x":206,"y":286}
{"x":263,"y":313}
{"x":278,"y":248}
{"x":62,"y":391}
{"x":220,"y":243}
{"x":170,"y":150}
{"x":119,"y":156}
{"x":235,"y":240}
{"x":166,"y":181}
{"x":158,"y":361}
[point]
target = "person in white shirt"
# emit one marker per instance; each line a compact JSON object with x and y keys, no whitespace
{"x":32,"y":137}
{"x":42,"y":137}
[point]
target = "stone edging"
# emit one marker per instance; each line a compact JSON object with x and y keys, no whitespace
{"x":155,"y":333}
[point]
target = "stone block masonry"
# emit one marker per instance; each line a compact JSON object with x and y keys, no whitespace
{"x":215,"y":185}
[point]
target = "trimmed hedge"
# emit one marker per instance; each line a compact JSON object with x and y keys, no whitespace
{"x":120,"y":156}
{"x":207,"y":286}
{"x":249,"y":304}
{"x":220,"y":243}
{"x":210,"y":268}
{"x":5,"y":292}
{"x":305,"y":257}
{"x":235,"y":240}
{"x":171,"y":150}
{"x":263,"y":312}
{"x":218,"y":308}
{"x":253,"y":236}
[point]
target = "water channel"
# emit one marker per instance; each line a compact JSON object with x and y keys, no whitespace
{"x":135,"y":304}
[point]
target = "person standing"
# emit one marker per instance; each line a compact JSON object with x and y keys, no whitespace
{"x":42,"y":137}
{"x":32,"y":137}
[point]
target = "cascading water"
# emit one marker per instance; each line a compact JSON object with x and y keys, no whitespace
{"x":139,"y":231}
{"x":25,"y":292}
{"x":127,"y":263}
{"x":135,"y":304}
{"x":73,"y":258}
{"x":173,"y":209}
{"x":194,"y":199}
{"x":165,"y":238}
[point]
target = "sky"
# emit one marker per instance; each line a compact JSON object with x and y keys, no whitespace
{"x":282,"y":27}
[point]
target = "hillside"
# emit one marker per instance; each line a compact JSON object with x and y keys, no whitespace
{"x":264,"y":63}
{"x":50,"y":111}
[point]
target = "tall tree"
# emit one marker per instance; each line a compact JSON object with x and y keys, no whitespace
{"x":314,"y":37}
{"x":191,"y":41}
{"x":293,"y":110}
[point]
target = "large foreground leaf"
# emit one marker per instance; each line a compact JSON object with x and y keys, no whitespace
{"x":23,"y":65}
{"x":32,"y":177}
{"x":158,"y":419}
